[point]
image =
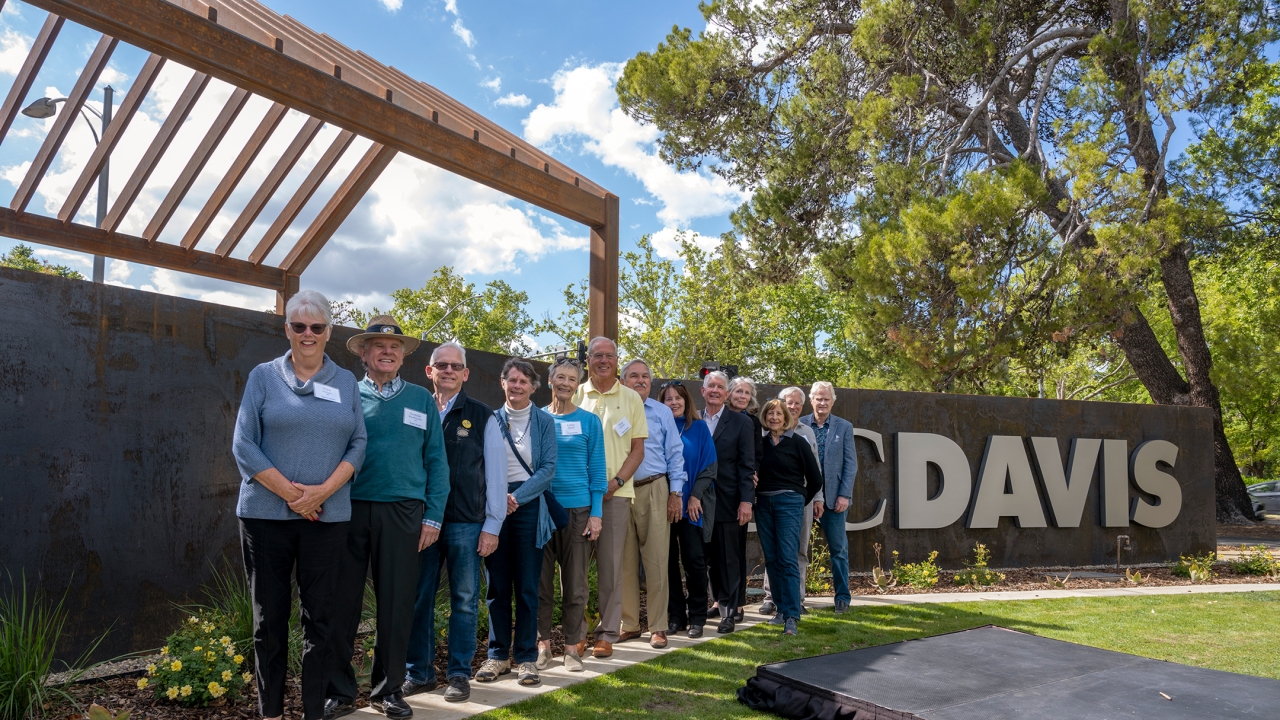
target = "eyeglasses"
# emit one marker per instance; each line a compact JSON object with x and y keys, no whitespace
{"x":316,"y":329}
{"x":604,"y":356}
{"x":442,"y":366}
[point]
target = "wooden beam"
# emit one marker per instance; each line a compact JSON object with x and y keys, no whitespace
{"x":27,"y":75}
{"x":331,"y":217}
{"x":301,"y":196}
{"x":291,"y":285}
{"x":187,"y":177}
{"x":62,"y":122}
{"x":234,"y":175}
{"x":128,"y":108}
{"x":602,"y":299}
{"x":82,"y":238}
{"x":159,"y":144}
{"x":161,"y":27}
{"x":270,"y":185}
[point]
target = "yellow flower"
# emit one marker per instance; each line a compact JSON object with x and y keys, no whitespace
{"x":185,"y":691}
{"x":151,"y":669}
{"x":210,"y":656}
{"x":142,"y":683}
{"x":176,"y":666}
{"x":225,"y":640}
{"x":193,"y":620}
{"x":164,"y":650}
{"x":172,"y":693}
{"x":246,"y":677}
{"x":231,"y":651}
{"x":216,"y":690}
{"x":226,"y":675}
{"x":197,"y":648}
{"x":237,"y":659}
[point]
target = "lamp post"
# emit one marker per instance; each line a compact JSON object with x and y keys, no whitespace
{"x":48,"y":107}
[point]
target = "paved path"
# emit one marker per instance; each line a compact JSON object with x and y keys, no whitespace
{"x":506,"y":691}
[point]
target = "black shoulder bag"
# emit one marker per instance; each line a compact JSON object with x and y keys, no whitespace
{"x":559,"y":516}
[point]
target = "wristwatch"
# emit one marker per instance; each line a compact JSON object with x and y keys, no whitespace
{"x":620,"y":482}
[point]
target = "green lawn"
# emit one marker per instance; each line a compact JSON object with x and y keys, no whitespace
{"x":1233,"y":632}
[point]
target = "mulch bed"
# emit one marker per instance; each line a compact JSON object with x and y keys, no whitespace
{"x":1262,"y":531}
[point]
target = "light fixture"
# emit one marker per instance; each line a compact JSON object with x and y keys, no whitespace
{"x":43,"y":108}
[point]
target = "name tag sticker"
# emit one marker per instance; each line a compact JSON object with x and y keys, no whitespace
{"x":622,"y":426}
{"x":326,"y":392}
{"x":415,"y":418}
{"x":570,"y":428}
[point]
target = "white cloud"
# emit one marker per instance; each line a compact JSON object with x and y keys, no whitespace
{"x":513,"y":100}
{"x":494,"y":84}
{"x":586,"y":109}
{"x":666,"y":242}
{"x":112,"y":76}
{"x":451,"y":6}
{"x":392,"y":5}
{"x":463,"y":33}
{"x":14,"y":47}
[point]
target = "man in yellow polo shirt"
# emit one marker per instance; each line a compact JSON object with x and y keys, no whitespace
{"x":621,"y":411}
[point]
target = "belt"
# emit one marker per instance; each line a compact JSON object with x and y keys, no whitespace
{"x":645,"y":481}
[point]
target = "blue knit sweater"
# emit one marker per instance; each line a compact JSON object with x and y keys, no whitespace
{"x":283,"y":425}
{"x":580,"y":475}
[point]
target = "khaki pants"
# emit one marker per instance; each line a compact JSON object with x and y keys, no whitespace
{"x":615,"y":515}
{"x":648,"y":541}
{"x":806,"y":529}
{"x":570,"y":549}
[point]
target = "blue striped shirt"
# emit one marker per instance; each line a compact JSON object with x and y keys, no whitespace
{"x":580,"y":479}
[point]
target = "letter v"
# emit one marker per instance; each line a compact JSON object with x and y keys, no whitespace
{"x":1067,"y":490}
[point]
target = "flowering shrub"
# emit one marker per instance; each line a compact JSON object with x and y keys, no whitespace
{"x":199,"y":665}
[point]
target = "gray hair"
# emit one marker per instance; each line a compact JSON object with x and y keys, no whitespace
{"x":753,"y":405}
{"x":450,"y":344}
{"x":637,"y":361}
{"x":823,"y":385}
{"x":719,"y":375}
{"x":788,"y":390}
{"x":309,"y":301}
{"x":565,"y":362}
{"x":600,"y":339}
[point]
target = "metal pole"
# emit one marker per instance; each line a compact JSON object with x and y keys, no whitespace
{"x":100,"y":262}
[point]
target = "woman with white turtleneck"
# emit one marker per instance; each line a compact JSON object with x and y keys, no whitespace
{"x":515,"y":568}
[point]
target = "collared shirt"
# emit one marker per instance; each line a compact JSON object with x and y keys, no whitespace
{"x":663,"y":449}
{"x":820,"y":432}
{"x":388,"y":390}
{"x":713,"y":420}
{"x":448,"y":406}
{"x":621,"y":412}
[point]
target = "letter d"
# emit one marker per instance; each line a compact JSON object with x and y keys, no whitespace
{"x":916,"y":510}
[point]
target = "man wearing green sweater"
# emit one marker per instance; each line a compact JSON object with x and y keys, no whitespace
{"x":397,"y":506}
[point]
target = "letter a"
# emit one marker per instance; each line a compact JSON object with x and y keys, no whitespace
{"x":1006,"y":457}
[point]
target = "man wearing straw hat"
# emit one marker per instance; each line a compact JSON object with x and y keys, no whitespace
{"x":397,"y":506}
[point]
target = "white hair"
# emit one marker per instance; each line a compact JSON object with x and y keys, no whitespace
{"x":600,"y":339}
{"x":823,"y":385}
{"x":637,"y":361}
{"x":787,"y":391}
{"x":309,"y":301}
{"x":450,"y":344}
{"x":753,"y":405}
{"x":717,"y":374}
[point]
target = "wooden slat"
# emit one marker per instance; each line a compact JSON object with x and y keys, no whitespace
{"x":602,"y":298}
{"x":159,"y":144}
{"x":161,"y":27}
{"x":270,"y":185}
{"x":301,"y":196}
{"x":62,"y":122}
{"x":235,"y":173}
{"x":27,"y":75}
{"x":115,"y":130}
{"x":49,"y":231}
{"x":331,"y":217}
{"x":174,"y":198}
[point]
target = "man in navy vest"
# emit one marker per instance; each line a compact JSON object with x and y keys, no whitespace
{"x":473,"y":519}
{"x":839,"y":459}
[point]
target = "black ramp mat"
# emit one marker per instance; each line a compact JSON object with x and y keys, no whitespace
{"x":992,"y":672}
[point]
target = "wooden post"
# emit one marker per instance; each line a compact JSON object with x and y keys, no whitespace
{"x":290,"y":289}
{"x":603,"y":291}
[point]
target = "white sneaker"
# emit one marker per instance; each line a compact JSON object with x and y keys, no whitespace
{"x":572,"y":662}
{"x":528,"y":674}
{"x":491,"y":669}
{"x":544,"y":658}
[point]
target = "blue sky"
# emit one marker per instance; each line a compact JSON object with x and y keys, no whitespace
{"x":543,"y":70}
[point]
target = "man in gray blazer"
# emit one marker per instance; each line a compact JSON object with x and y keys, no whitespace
{"x":839,"y":460}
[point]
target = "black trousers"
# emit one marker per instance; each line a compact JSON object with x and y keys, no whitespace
{"x":383,"y":535}
{"x":686,"y":608}
{"x":724,"y":564}
{"x":273,"y":550}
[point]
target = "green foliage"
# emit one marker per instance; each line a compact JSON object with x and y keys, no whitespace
{"x":1256,"y":560}
{"x":198,"y":665}
{"x":229,"y":603}
{"x":31,"y":627}
{"x":1134,"y":577}
{"x":493,"y":319}
{"x":817,"y":578}
{"x":1199,"y":568}
{"x":978,"y":574}
{"x":97,"y":712}
{"x":23,"y":257}
{"x":923,"y":574}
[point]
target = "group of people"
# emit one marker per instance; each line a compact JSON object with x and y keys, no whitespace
{"x":345,"y":479}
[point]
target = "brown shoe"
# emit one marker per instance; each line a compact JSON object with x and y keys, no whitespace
{"x":581,"y":648}
{"x":603,"y":649}
{"x":626,"y":635}
{"x":658,"y":640}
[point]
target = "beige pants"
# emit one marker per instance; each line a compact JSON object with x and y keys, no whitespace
{"x":806,"y":527}
{"x":648,"y":541}
{"x":615,"y":514}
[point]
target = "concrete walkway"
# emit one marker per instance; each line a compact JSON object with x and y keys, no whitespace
{"x":506,"y":691}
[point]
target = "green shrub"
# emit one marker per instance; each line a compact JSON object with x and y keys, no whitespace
{"x":917,"y":575}
{"x":1256,"y":560}
{"x":228,"y":599}
{"x":1197,"y":568}
{"x":978,"y":574}
{"x":199,"y":665}
{"x":30,"y":629}
{"x":818,"y":578}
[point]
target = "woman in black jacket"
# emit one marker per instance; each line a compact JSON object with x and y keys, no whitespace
{"x":789,"y":479}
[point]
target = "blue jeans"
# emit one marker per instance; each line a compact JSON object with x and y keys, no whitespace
{"x":457,"y":545}
{"x":778,"y":519}
{"x":838,"y":541}
{"x":515,"y":570}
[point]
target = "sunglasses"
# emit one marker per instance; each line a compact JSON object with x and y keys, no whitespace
{"x":456,"y":367}
{"x":316,"y":329}
{"x":671,"y":383}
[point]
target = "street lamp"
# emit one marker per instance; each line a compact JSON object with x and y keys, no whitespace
{"x":47,"y":108}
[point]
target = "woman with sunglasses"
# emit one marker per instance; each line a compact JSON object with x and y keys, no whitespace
{"x":299,"y":438}
{"x":687,"y":596}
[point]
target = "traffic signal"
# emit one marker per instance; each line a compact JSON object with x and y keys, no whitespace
{"x":708,"y":367}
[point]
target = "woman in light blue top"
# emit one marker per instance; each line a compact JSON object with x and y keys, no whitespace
{"x":579,"y":485}
{"x":299,"y":438}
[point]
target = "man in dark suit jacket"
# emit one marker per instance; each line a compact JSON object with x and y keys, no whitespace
{"x":735,"y":492}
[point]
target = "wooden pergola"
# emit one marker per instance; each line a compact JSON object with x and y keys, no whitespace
{"x":248,"y":46}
